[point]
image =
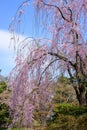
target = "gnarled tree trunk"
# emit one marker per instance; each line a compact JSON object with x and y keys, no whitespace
{"x":81,"y":94}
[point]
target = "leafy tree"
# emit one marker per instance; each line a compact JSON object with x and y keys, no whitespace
{"x":4,"y":107}
{"x":2,"y":86}
{"x":68,"y":116}
{"x":64,"y":51}
{"x":63,"y":92}
{"x":4,"y":115}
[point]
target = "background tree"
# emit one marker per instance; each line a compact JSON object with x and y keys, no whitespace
{"x":63,"y":92}
{"x":64,"y":51}
{"x":4,"y":106}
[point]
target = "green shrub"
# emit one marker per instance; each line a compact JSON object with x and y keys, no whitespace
{"x":4,"y":115}
{"x":66,"y":122}
{"x":2,"y":86}
{"x":62,"y":122}
{"x":69,"y":109}
{"x":68,"y":117}
{"x":82,"y":122}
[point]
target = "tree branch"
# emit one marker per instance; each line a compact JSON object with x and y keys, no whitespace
{"x":59,"y":11}
{"x":62,"y":58}
{"x":46,"y":69}
{"x":82,"y":66}
{"x":70,"y":74}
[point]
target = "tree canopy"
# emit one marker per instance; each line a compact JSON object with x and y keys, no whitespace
{"x":40,"y":61}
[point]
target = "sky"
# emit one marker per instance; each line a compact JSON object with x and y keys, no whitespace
{"x":30,"y":27}
{"x":8,"y":9}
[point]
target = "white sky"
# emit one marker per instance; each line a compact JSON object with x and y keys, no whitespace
{"x":7,"y":53}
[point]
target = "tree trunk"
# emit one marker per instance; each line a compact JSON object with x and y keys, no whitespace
{"x":81,"y":94}
{"x":82,"y":99}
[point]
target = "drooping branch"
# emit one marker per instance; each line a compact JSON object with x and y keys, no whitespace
{"x":36,"y":59}
{"x":31,"y":65}
{"x":57,"y":55}
{"x":62,"y":58}
{"x":70,"y":13}
{"x":75,"y":35}
{"x":46,"y":69}
{"x":55,"y":6}
{"x":18,"y":13}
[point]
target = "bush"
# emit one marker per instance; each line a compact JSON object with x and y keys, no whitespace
{"x":82,"y":122}
{"x":69,"y":109}
{"x":4,"y":115}
{"x":66,"y":122}
{"x":62,"y":122}
{"x":68,"y":117}
{"x":2,"y":86}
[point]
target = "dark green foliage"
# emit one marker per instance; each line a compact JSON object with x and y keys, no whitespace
{"x":84,"y":82}
{"x":66,"y":114}
{"x":2,"y":86}
{"x":3,"y":128}
{"x":69,"y":109}
{"x":4,"y":108}
{"x":62,"y":122}
{"x":4,"y":115}
{"x":68,"y":122}
{"x":68,"y":117}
